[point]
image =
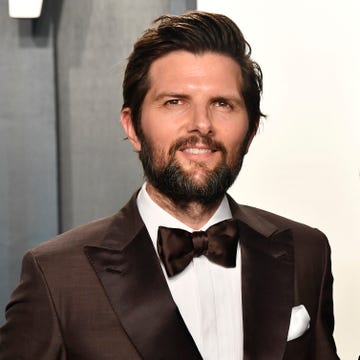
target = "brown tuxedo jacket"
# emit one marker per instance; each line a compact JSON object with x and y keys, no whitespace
{"x":98,"y":293}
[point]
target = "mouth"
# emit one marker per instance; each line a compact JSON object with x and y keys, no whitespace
{"x":198,"y":150}
{"x":198,"y":147}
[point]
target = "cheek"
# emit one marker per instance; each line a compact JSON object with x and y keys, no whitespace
{"x":235,"y":145}
{"x":155,"y":151}
{"x":158,"y":135}
{"x":235,"y":136}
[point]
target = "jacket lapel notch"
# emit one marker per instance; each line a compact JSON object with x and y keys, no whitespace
{"x":134,"y":283}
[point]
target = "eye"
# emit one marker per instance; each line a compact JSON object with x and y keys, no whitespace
{"x":224,"y":104}
{"x":172,"y":102}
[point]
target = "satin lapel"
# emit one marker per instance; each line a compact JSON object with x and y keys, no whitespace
{"x":268,"y":293}
{"x":133,"y":280}
{"x":267,"y":286}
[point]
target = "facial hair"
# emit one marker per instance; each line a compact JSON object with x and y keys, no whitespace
{"x":179,"y":186}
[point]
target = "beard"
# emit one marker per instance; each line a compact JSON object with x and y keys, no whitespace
{"x":180,"y":186}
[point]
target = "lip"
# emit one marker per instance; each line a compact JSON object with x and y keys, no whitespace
{"x":197,"y":151}
{"x":197,"y":148}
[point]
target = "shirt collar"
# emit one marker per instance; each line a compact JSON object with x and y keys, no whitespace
{"x":154,"y":216}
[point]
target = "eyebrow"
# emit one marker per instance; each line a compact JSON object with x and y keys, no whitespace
{"x":171,"y":95}
{"x":237,"y":99}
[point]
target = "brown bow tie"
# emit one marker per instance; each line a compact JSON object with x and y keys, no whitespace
{"x":178,"y":247}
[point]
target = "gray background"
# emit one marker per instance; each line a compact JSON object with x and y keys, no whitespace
{"x":63,"y":160}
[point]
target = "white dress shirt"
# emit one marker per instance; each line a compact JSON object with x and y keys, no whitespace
{"x":208,"y":295}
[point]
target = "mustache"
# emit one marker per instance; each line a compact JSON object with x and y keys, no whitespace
{"x":195,"y":140}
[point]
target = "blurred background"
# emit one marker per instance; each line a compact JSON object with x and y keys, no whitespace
{"x":305,"y":161}
{"x":63,"y":160}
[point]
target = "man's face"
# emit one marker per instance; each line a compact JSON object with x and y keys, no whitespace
{"x":193,"y":126}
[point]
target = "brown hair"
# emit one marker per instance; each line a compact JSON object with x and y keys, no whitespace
{"x":196,"y":32}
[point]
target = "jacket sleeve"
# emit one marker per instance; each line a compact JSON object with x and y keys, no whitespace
{"x":323,"y":345}
{"x":314,"y":289}
{"x":31,"y":330}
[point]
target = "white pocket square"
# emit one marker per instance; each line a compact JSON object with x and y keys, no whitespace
{"x":299,"y":322}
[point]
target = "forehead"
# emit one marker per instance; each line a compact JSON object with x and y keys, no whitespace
{"x":183,"y":68}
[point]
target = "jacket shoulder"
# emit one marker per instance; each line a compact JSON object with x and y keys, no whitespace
{"x":276,"y":219}
{"x":262,"y":219}
{"x":90,"y":233}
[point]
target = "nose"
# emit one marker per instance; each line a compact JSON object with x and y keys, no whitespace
{"x":200,"y":121}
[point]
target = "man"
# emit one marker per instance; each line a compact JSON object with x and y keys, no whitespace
{"x":182,"y":271}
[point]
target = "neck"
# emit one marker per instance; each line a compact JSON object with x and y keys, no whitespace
{"x":193,"y":214}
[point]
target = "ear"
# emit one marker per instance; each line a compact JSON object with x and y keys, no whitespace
{"x":127,"y":124}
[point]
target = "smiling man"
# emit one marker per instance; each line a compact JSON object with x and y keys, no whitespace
{"x":182,"y":271}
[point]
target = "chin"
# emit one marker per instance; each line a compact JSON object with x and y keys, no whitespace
{"x":198,"y":179}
